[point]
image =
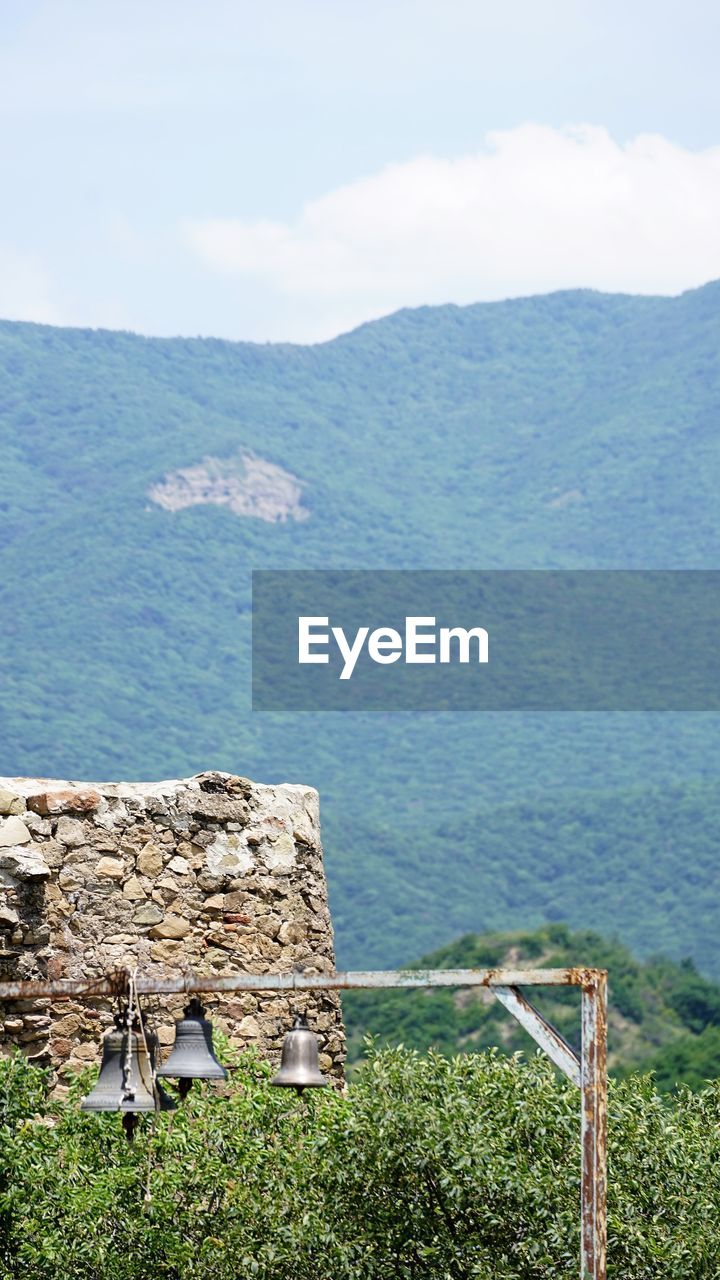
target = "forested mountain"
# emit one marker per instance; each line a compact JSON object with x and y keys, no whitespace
{"x":142,"y":479}
{"x":663,"y":1016}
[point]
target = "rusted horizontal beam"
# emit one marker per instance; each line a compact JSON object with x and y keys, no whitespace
{"x":115,"y":983}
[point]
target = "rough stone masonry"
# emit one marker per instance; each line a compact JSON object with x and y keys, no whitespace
{"x":211,"y":874}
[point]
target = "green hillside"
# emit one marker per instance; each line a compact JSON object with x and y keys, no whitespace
{"x":663,"y":1016}
{"x":572,"y":430}
{"x":641,"y":863}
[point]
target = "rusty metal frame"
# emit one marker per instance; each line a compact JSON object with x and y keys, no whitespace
{"x":588,"y":1072}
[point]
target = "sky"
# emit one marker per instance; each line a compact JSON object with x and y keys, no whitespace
{"x":285,"y":171}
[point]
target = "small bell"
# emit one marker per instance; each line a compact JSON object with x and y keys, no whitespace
{"x":139,"y":1092}
{"x":299,"y":1067}
{"x":192,"y":1056}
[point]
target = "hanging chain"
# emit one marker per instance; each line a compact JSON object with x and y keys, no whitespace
{"x":128,"y":1093}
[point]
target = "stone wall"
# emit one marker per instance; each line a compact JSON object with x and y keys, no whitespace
{"x":213,"y":874}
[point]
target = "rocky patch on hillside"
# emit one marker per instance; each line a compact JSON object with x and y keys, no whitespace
{"x":246,"y":484}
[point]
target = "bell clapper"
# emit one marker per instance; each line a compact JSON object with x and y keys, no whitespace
{"x":130,"y":1123}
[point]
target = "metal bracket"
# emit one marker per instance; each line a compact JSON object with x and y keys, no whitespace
{"x":542,"y":1032}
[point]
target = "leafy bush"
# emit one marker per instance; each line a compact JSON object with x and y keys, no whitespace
{"x":426,"y":1167}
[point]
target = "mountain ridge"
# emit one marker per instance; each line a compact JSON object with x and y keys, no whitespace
{"x":422,"y":310}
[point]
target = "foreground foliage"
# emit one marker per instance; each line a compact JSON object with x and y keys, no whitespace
{"x":427,"y":1167}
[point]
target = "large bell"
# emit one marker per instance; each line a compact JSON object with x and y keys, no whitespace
{"x":140,"y":1093}
{"x":299,"y":1067}
{"x":192,"y":1056}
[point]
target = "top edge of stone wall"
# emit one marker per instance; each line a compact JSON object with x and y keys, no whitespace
{"x":208,"y":782}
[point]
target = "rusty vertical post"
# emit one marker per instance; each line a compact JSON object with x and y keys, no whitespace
{"x":594,"y":1129}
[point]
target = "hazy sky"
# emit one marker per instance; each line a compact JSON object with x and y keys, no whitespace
{"x":285,"y":169}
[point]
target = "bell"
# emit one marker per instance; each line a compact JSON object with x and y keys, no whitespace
{"x":140,"y":1093}
{"x":192,"y":1056}
{"x":299,"y":1068}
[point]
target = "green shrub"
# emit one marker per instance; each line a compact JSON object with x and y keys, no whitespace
{"x":427,"y":1167}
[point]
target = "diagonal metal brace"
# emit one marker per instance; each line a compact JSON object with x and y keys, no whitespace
{"x":543,"y":1032}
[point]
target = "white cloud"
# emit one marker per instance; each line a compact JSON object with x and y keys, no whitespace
{"x":537,"y":209}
